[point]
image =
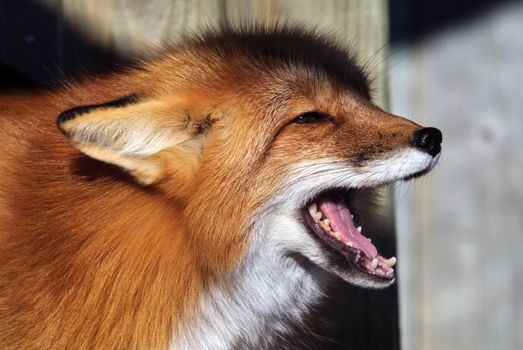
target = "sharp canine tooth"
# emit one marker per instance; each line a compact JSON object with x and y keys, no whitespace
{"x":314,"y":213}
{"x":374,"y":263}
{"x":391,"y":262}
{"x":351,"y":216}
{"x":359,"y":229}
{"x":313,"y":209}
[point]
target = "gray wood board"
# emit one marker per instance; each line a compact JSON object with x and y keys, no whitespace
{"x":460,"y":228}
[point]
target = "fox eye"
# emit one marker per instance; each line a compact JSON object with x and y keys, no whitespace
{"x":312,"y":117}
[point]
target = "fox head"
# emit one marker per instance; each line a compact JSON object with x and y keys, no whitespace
{"x":268,"y":139}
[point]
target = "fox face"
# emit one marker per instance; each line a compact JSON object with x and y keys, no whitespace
{"x":268,"y":139}
{"x":340,"y":155}
{"x":199,"y":200}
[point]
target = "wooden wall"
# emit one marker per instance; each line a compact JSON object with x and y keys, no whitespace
{"x":51,"y":39}
{"x":460,"y":229}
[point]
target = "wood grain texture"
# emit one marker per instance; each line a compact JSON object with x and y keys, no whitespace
{"x":460,"y":229}
{"x":136,"y":27}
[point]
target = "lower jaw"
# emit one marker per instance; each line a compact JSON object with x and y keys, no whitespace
{"x":350,"y":261}
{"x":347,"y":263}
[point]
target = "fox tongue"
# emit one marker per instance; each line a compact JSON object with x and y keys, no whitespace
{"x":340,"y":220}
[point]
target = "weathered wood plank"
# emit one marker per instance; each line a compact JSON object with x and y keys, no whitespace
{"x":461,"y":275}
{"x":137,"y":27}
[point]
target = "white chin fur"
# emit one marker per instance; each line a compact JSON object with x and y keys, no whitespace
{"x":283,"y":224}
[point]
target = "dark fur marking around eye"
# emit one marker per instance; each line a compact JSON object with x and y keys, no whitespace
{"x":77,"y":111}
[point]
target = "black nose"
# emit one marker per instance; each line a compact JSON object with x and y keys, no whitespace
{"x":428,"y":140}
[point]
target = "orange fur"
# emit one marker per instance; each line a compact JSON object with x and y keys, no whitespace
{"x":93,"y":256}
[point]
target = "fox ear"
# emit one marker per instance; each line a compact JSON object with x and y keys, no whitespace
{"x":148,"y":139}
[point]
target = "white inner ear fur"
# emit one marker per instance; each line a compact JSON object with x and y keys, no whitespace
{"x":136,"y":131}
{"x":140,"y":138}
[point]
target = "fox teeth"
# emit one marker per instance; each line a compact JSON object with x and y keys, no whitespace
{"x":313,"y":209}
{"x":326,"y":224}
{"x":336,"y":235}
{"x":359,"y":229}
{"x":374,"y":263}
{"x":391,"y":262}
{"x":314,"y":213}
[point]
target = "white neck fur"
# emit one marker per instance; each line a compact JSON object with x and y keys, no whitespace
{"x":257,"y":303}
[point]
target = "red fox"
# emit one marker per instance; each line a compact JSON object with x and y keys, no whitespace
{"x":199,"y":200}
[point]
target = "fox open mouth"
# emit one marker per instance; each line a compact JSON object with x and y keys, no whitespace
{"x":334,"y":219}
